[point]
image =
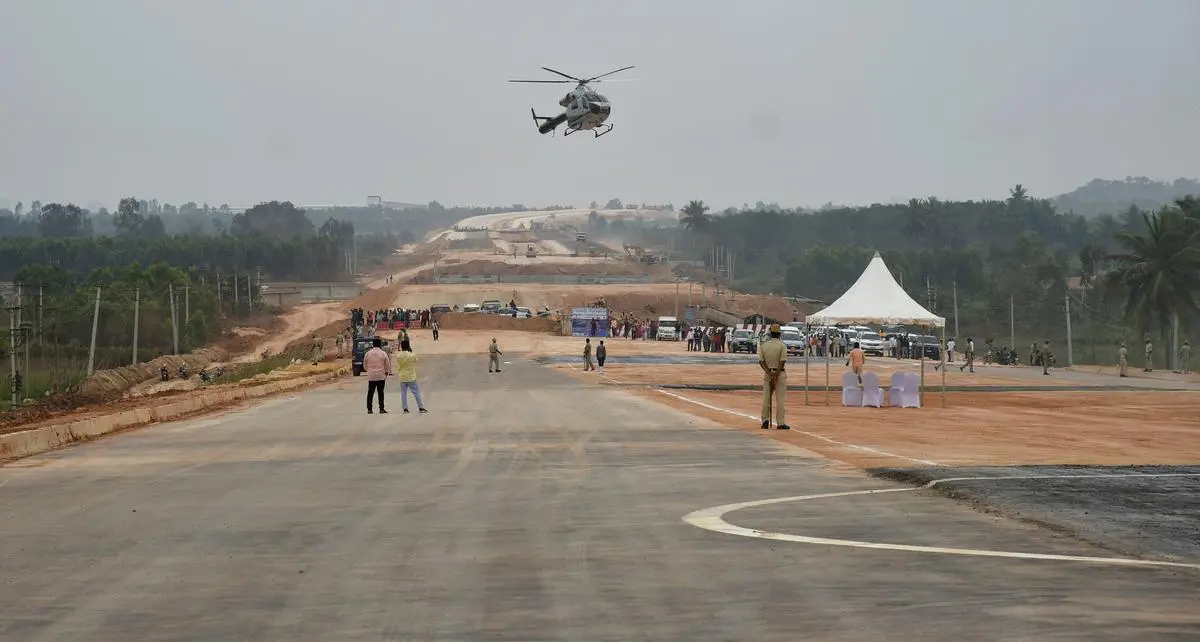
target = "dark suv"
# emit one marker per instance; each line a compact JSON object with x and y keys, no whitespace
{"x":743,"y":341}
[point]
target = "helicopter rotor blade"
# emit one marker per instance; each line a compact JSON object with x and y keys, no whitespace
{"x":594,"y":78}
{"x":553,"y":71}
{"x":543,"y":81}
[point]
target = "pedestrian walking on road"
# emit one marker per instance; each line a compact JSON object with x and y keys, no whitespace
{"x":1185,"y":357}
{"x":1149,"y":363}
{"x":601,"y":353}
{"x":406,"y":372}
{"x":587,"y":355}
{"x":772,"y":357}
{"x":1123,"y":361}
{"x":970,"y":355}
{"x":340,"y":342}
{"x":436,"y":330}
{"x":378,"y":366}
{"x":494,"y":356}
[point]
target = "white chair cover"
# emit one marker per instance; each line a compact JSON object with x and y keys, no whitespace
{"x":852,"y":395}
{"x":872,"y":394}
{"x":900,"y":381}
{"x":911,"y":397}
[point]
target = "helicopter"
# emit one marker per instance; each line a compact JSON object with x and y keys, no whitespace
{"x":585,"y":109}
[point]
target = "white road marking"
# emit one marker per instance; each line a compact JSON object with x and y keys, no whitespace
{"x":713,"y":519}
{"x":804,"y":432}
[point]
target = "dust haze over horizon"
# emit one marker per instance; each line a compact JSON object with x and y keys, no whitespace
{"x":800,"y":103}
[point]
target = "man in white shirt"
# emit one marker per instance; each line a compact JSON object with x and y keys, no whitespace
{"x":950,"y":351}
{"x":378,"y":365}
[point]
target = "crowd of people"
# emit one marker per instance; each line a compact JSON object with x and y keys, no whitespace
{"x":411,"y":318}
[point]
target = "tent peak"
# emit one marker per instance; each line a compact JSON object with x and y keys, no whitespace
{"x":877,"y":255}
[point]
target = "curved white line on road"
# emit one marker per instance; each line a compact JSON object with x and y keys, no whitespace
{"x":803,"y":432}
{"x":713,"y":519}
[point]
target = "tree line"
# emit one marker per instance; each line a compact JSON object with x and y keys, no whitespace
{"x":1126,"y":276}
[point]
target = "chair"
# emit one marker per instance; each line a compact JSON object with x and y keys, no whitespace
{"x":852,"y":394}
{"x":872,"y":395}
{"x":911,"y":397}
{"x":900,"y":381}
{"x":905,"y":391}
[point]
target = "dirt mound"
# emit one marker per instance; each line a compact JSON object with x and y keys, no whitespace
{"x":111,"y":383}
{"x":475,"y":321}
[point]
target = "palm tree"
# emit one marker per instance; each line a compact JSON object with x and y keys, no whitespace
{"x":1159,"y":272}
{"x":695,"y":216}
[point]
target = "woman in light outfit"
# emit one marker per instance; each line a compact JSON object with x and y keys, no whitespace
{"x":406,"y":372}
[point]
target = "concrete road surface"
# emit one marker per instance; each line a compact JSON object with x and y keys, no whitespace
{"x":525,"y":506}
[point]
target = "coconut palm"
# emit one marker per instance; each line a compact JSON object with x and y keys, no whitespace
{"x":1159,"y":271}
{"x":695,"y":216}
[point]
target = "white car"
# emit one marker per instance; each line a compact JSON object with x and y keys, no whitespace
{"x":470,"y":307}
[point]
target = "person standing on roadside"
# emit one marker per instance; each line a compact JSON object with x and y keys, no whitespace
{"x":494,"y":356}
{"x":587,"y":355}
{"x":406,"y":372}
{"x":436,"y":329}
{"x":378,"y":366}
{"x":772,"y":357}
{"x":601,"y":353}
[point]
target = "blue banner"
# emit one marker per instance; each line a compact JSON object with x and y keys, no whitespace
{"x":589,"y":322}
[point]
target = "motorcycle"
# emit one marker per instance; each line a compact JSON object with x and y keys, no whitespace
{"x":204,"y":376}
{"x":164,"y":374}
{"x":183,"y":372}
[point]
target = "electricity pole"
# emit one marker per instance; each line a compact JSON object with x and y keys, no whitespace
{"x":1012,"y":324}
{"x":95,"y":326}
{"x":12,"y":357}
{"x":174,"y":324}
{"x":955,"y":286}
{"x":137,"y":305}
{"x":187,"y":304}
{"x":1070,"y":360}
{"x":677,"y":298}
{"x":39,"y":314}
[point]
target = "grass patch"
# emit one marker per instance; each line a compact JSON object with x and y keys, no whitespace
{"x":244,"y":371}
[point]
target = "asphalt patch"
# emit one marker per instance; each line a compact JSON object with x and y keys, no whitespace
{"x":1117,"y":507}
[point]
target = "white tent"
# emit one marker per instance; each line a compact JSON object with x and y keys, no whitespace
{"x":875,"y":298}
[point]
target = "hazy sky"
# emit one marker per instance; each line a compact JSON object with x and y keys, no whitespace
{"x":794,"y":101}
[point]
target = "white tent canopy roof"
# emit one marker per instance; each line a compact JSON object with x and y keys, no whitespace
{"x":875,"y":298}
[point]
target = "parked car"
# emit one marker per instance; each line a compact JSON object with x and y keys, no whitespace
{"x":932,"y":347}
{"x":491,"y":306}
{"x":524,"y":312}
{"x":743,"y":341}
{"x":471,"y":307}
{"x":438,"y":308}
{"x":794,"y":341}
{"x":870,"y":342}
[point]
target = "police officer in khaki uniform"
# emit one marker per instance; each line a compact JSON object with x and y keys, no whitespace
{"x":772,"y":357}
{"x":494,"y":356}
{"x":1123,"y":360}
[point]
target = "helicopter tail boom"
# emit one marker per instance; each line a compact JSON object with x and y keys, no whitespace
{"x":547,"y":124}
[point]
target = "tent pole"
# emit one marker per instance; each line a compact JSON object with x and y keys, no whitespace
{"x":827,"y":346}
{"x":806,"y":372}
{"x":921,"y":390}
{"x":945,"y":364}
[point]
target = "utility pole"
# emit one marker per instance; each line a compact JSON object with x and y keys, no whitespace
{"x":955,"y":290}
{"x":40,"y":287}
{"x":1174,"y":342}
{"x":676,"y":298}
{"x":1012,"y":324}
{"x":1070,"y":359}
{"x":12,"y":357}
{"x":137,"y":308}
{"x":187,"y":304}
{"x":218,"y":293}
{"x":235,"y":292}
{"x":95,"y":326}
{"x":174,"y":324}
{"x":249,"y":295}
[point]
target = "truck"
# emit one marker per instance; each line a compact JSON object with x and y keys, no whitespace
{"x":530,"y":251}
{"x":668,"y":329}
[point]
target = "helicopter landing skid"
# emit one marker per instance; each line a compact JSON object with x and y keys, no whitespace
{"x":596,"y":131}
